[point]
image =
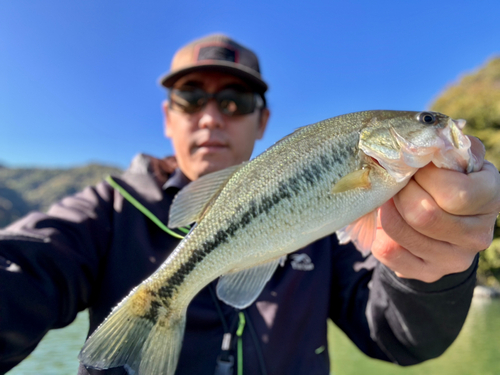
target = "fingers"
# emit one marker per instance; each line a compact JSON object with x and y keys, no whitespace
{"x":439,"y":222}
{"x":462,"y":194}
{"x":413,"y":255}
{"x":424,"y":215}
{"x":400,"y":260}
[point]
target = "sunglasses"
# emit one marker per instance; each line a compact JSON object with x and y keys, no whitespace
{"x":230,"y":102}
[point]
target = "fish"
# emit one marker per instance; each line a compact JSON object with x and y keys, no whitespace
{"x":331,"y":176}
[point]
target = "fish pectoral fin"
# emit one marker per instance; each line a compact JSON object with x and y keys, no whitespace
{"x":240,"y":289}
{"x":191,"y":202}
{"x":361,"y":232}
{"x":357,"y":179}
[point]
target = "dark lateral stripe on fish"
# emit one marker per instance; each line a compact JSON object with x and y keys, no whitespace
{"x":152,"y":314}
{"x":286,"y":190}
{"x":222,"y":236}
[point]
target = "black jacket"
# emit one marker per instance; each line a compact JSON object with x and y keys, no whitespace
{"x":92,"y":248}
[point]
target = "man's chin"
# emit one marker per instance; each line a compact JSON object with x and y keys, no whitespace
{"x":214,"y":166}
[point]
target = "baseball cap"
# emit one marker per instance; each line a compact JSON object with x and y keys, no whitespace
{"x":219,"y":53}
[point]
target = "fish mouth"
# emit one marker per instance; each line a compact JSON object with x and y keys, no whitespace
{"x":460,"y":123}
{"x":456,"y":153}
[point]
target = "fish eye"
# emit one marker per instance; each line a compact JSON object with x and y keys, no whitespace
{"x":427,"y":118}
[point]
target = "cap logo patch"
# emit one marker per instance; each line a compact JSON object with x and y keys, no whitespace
{"x":217,"y":52}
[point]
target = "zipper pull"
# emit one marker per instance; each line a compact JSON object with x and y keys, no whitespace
{"x":225,"y":361}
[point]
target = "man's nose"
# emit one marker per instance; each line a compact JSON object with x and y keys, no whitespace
{"x":211,"y":116}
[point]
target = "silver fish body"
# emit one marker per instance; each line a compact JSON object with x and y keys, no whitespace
{"x":326,"y":177}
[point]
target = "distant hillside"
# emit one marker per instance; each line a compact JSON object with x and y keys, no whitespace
{"x":26,"y":189}
{"x":12,"y":205}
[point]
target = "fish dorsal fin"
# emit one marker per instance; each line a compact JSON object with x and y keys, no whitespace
{"x":361,"y":232}
{"x":189,"y":204}
{"x":240,"y":289}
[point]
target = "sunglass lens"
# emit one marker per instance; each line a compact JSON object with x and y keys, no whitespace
{"x":230,"y":101}
{"x":190,"y":101}
{"x":233,"y":102}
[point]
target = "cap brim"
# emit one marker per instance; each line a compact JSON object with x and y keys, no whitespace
{"x":248,"y":76}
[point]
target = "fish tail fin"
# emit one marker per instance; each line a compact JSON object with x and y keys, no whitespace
{"x":143,"y":345}
{"x":161,"y":350}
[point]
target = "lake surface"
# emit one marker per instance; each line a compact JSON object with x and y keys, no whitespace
{"x":476,"y":351}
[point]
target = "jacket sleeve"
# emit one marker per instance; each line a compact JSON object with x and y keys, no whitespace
{"x":399,"y":320}
{"x":49,"y":264}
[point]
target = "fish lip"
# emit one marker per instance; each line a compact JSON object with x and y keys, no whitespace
{"x":460,"y":123}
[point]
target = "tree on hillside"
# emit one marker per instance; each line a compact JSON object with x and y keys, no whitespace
{"x":26,"y":189}
{"x":476,"y":98}
{"x":12,"y":206}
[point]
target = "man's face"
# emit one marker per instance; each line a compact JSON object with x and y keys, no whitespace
{"x":208,"y":140}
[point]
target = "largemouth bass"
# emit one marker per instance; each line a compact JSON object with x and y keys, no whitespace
{"x":327,"y":177}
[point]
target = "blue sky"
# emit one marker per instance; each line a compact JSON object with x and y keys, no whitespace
{"x":78,"y":80}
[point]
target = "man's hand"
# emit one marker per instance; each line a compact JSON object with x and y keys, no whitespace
{"x":439,"y":222}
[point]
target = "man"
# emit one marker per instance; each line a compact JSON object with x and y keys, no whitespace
{"x":406,"y":303}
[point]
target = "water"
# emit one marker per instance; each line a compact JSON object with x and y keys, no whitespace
{"x":57,"y":352}
{"x":476,"y":351}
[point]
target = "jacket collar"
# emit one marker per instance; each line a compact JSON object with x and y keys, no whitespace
{"x":177,"y":181}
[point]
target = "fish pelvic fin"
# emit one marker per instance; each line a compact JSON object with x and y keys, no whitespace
{"x":361,"y":232}
{"x":240,"y":289}
{"x":143,"y":345}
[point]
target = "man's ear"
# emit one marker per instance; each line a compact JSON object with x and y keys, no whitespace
{"x":263,"y":119}
{"x":166,"y":118}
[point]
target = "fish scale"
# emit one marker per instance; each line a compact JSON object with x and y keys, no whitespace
{"x":326,"y":177}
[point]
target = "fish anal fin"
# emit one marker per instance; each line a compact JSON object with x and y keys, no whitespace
{"x":361,"y":232}
{"x":192,"y":201}
{"x":358,"y":179}
{"x":240,"y":289}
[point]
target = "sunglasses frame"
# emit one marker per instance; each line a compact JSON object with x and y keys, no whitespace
{"x":257,"y":101}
